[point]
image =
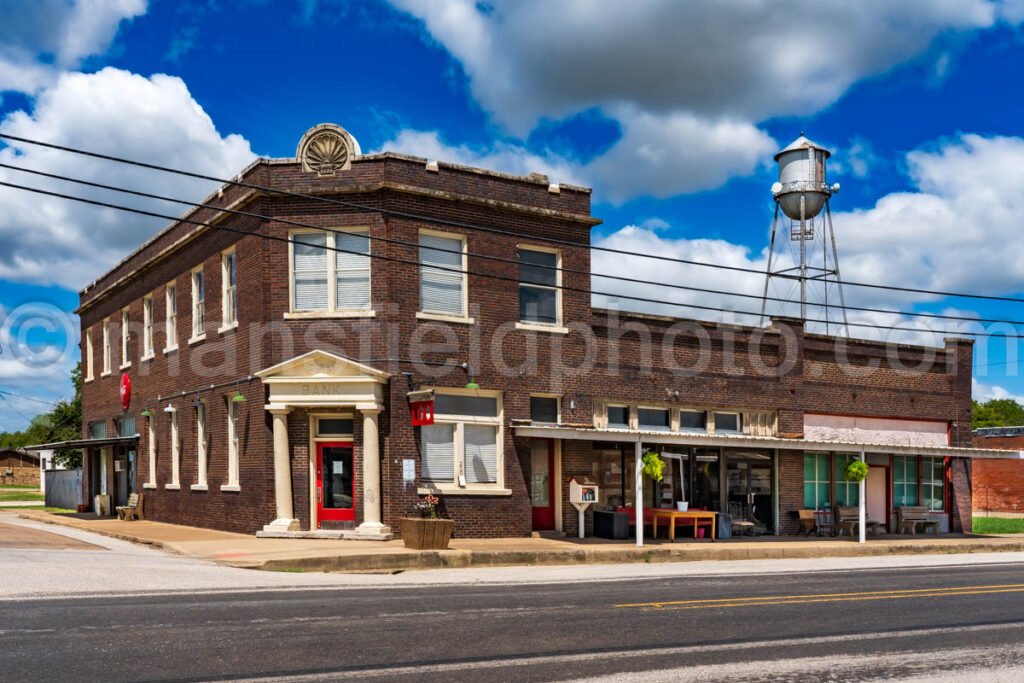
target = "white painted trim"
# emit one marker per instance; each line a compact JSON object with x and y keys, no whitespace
{"x":229,"y":488}
{"x":172,"y":487}
{"x":147,"y":485}
{"x":442,"y":318}
{"x":475,"y":490}
{"x":227,"y":328}
{"x":464,"y":268}
{"x":330,"y":315}
{"x":199,"y":487}
{"x":559,"y":522}
{"x":542,"y":327}
{"x":331,"y":243}
{"x":196,"y":340}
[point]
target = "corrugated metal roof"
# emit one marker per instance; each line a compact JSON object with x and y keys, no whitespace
{"x":744,"y":440}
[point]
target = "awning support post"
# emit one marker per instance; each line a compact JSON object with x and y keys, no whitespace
{"x":638,"y":494}
{"x":862,"y":487}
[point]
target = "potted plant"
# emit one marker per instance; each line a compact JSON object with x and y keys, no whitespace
{"x":428,"y":528}
{"x":652,"y":465}
{"x":856,"y":471}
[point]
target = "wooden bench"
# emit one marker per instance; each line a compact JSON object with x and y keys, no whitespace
{"x":133,"y":510}
{"x":909,"y":516}
{"x":847,"y":519}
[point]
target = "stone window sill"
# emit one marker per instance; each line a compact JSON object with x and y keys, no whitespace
{"x":196,"y":339}
{"x":540,"y":327}
{"x":442,"y":318}
{"x":227,"y":328}
{"x":105,"y":373}
{"x":328,"y":315}
{"x":147,"y":485}
{"x":147,"y":357}
{"x":125,"y":366}
{"x":199,"y":487}
{"x":170,"y":349}
{"x":172,"y":487}
{"x":231,"y":488}
{"x":467,"y":491}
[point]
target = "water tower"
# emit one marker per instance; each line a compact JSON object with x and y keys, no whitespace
{"x":801,"y":194}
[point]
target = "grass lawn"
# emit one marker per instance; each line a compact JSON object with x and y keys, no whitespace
{"x":22,"y":508}
{"x":4,"y":487}
{"x":21,"y":495}
{"x":997,"y":525}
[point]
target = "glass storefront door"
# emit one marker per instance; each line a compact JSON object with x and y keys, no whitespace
{"x":749,"y":489}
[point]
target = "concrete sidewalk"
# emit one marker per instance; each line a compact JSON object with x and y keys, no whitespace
{"x":241,"y":550}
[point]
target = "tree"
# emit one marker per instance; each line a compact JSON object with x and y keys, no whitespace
{"x":63,"y":423}
{"x":997,"y":412}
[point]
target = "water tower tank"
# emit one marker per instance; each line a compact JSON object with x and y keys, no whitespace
{"x":802,"y":174}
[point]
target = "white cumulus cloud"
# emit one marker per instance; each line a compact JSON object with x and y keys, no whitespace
{"x":154,"y":119}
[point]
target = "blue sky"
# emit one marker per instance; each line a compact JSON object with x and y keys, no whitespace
{"x":671,"y":111}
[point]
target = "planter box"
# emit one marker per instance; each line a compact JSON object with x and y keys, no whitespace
{"x":426,"y":534}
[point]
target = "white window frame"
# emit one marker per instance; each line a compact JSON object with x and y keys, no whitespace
{"x":151,"y":446}
{"x":233,"y":413}
{"x":558,"y":326}
{"x":171,"y":317}
{"x":464,"y":267}
{"x":175,"y":483}
{"x":88,"y":356}
{"x":332,"y":310}
{"x":126,"y":359}
{"x":147,"y":327}
{"x":107,"y":350}
{"x":459,"y":422}
{"x":558,"y":406}
{"x":739,"y":422}
{"x":228,"y":291}
{"x":201,"y":455}
{"x":666,"y":409}
{"x":693,"y":430}
{"x":198,"y":306}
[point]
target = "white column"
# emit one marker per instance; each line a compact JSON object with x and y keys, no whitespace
{"x":638,"y":495}
{"x":862,"y":487}
{"x":282,"y":476}
{"x":371,"y":526}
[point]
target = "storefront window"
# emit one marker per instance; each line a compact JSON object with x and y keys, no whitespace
{"x":816,"y":481}
{"x":933,"y":483}
{"x":847,"y":492}
{"x":904,"y":477}
{"x":608,"y":474}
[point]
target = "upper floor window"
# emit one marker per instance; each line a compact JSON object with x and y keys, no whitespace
{"x":463,"y":447}
{"x":107,"y":350}
{"x":544,"y":409}
{"x":147,"y":327}
{"x":229,"y":280}
{"x":618,"y":417}
{"x":98,"y":430}
{"x":125,"y":425}
{"x":171,"y":317}
{"x":539,"y":282}
{"x":727,"y":422}
{"x":324,"y":283}
{"x":654,"y":418}
{"x":88,"y":355}
{"x":198,"y":304}
{"x":442,"y":275}
{"x":126,"y":359}
{"x":693,"y":419}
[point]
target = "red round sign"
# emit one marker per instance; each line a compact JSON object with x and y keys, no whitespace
{"x":126,"y":391}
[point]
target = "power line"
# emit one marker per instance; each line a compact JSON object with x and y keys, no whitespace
{"x":469,"y":226}
{"x":460,"y":271}
{"x":28,"y":398}
{"x":491,"y":257}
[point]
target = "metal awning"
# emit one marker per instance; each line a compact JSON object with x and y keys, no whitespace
{"x":573,"y":433}
{"x":85,"y":443}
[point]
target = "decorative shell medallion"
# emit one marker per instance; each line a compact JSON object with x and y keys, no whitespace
{"x":326,"y":152}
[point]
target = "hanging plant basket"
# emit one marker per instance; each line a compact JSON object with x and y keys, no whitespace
{"x":653,"y":466}
{"x":856,"y":471}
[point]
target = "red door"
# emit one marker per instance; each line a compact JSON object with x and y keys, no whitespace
{"x":334,"y":470}
{"x":542,"y":483}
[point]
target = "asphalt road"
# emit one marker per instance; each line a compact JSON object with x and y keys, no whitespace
{"x":949,"y":623}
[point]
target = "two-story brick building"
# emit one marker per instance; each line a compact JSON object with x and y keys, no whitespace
{"x":271,"y":338}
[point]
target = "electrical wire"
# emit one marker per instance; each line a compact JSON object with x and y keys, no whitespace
{"x":441,"y":221}
{"x":393,"y":259}
{"x":501,"y":259}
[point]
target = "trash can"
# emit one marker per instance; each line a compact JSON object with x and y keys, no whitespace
{"x":724,"y":523}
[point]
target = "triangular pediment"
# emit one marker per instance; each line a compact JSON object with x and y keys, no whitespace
{"x":319,"y":364}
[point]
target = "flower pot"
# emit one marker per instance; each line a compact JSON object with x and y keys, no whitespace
{"x":426,"y":534}
{"x":682,"y":506}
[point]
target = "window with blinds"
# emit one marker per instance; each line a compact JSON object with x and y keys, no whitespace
{"x":442,"y":282}
{"x":439,"y":453}
{"x":463,"y":447}
{"x":198,"y":304}
{"x":331,"y":271}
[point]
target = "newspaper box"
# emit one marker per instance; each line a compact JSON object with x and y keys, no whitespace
{"x":582,"y":494}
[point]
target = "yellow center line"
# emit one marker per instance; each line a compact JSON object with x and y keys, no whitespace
{"x":828,"y":597}
{"x":850,"y":599}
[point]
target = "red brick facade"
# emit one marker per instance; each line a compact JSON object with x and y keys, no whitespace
{"x":604,"y":356}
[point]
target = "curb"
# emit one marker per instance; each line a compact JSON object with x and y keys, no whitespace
{"x":463,"y":559}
